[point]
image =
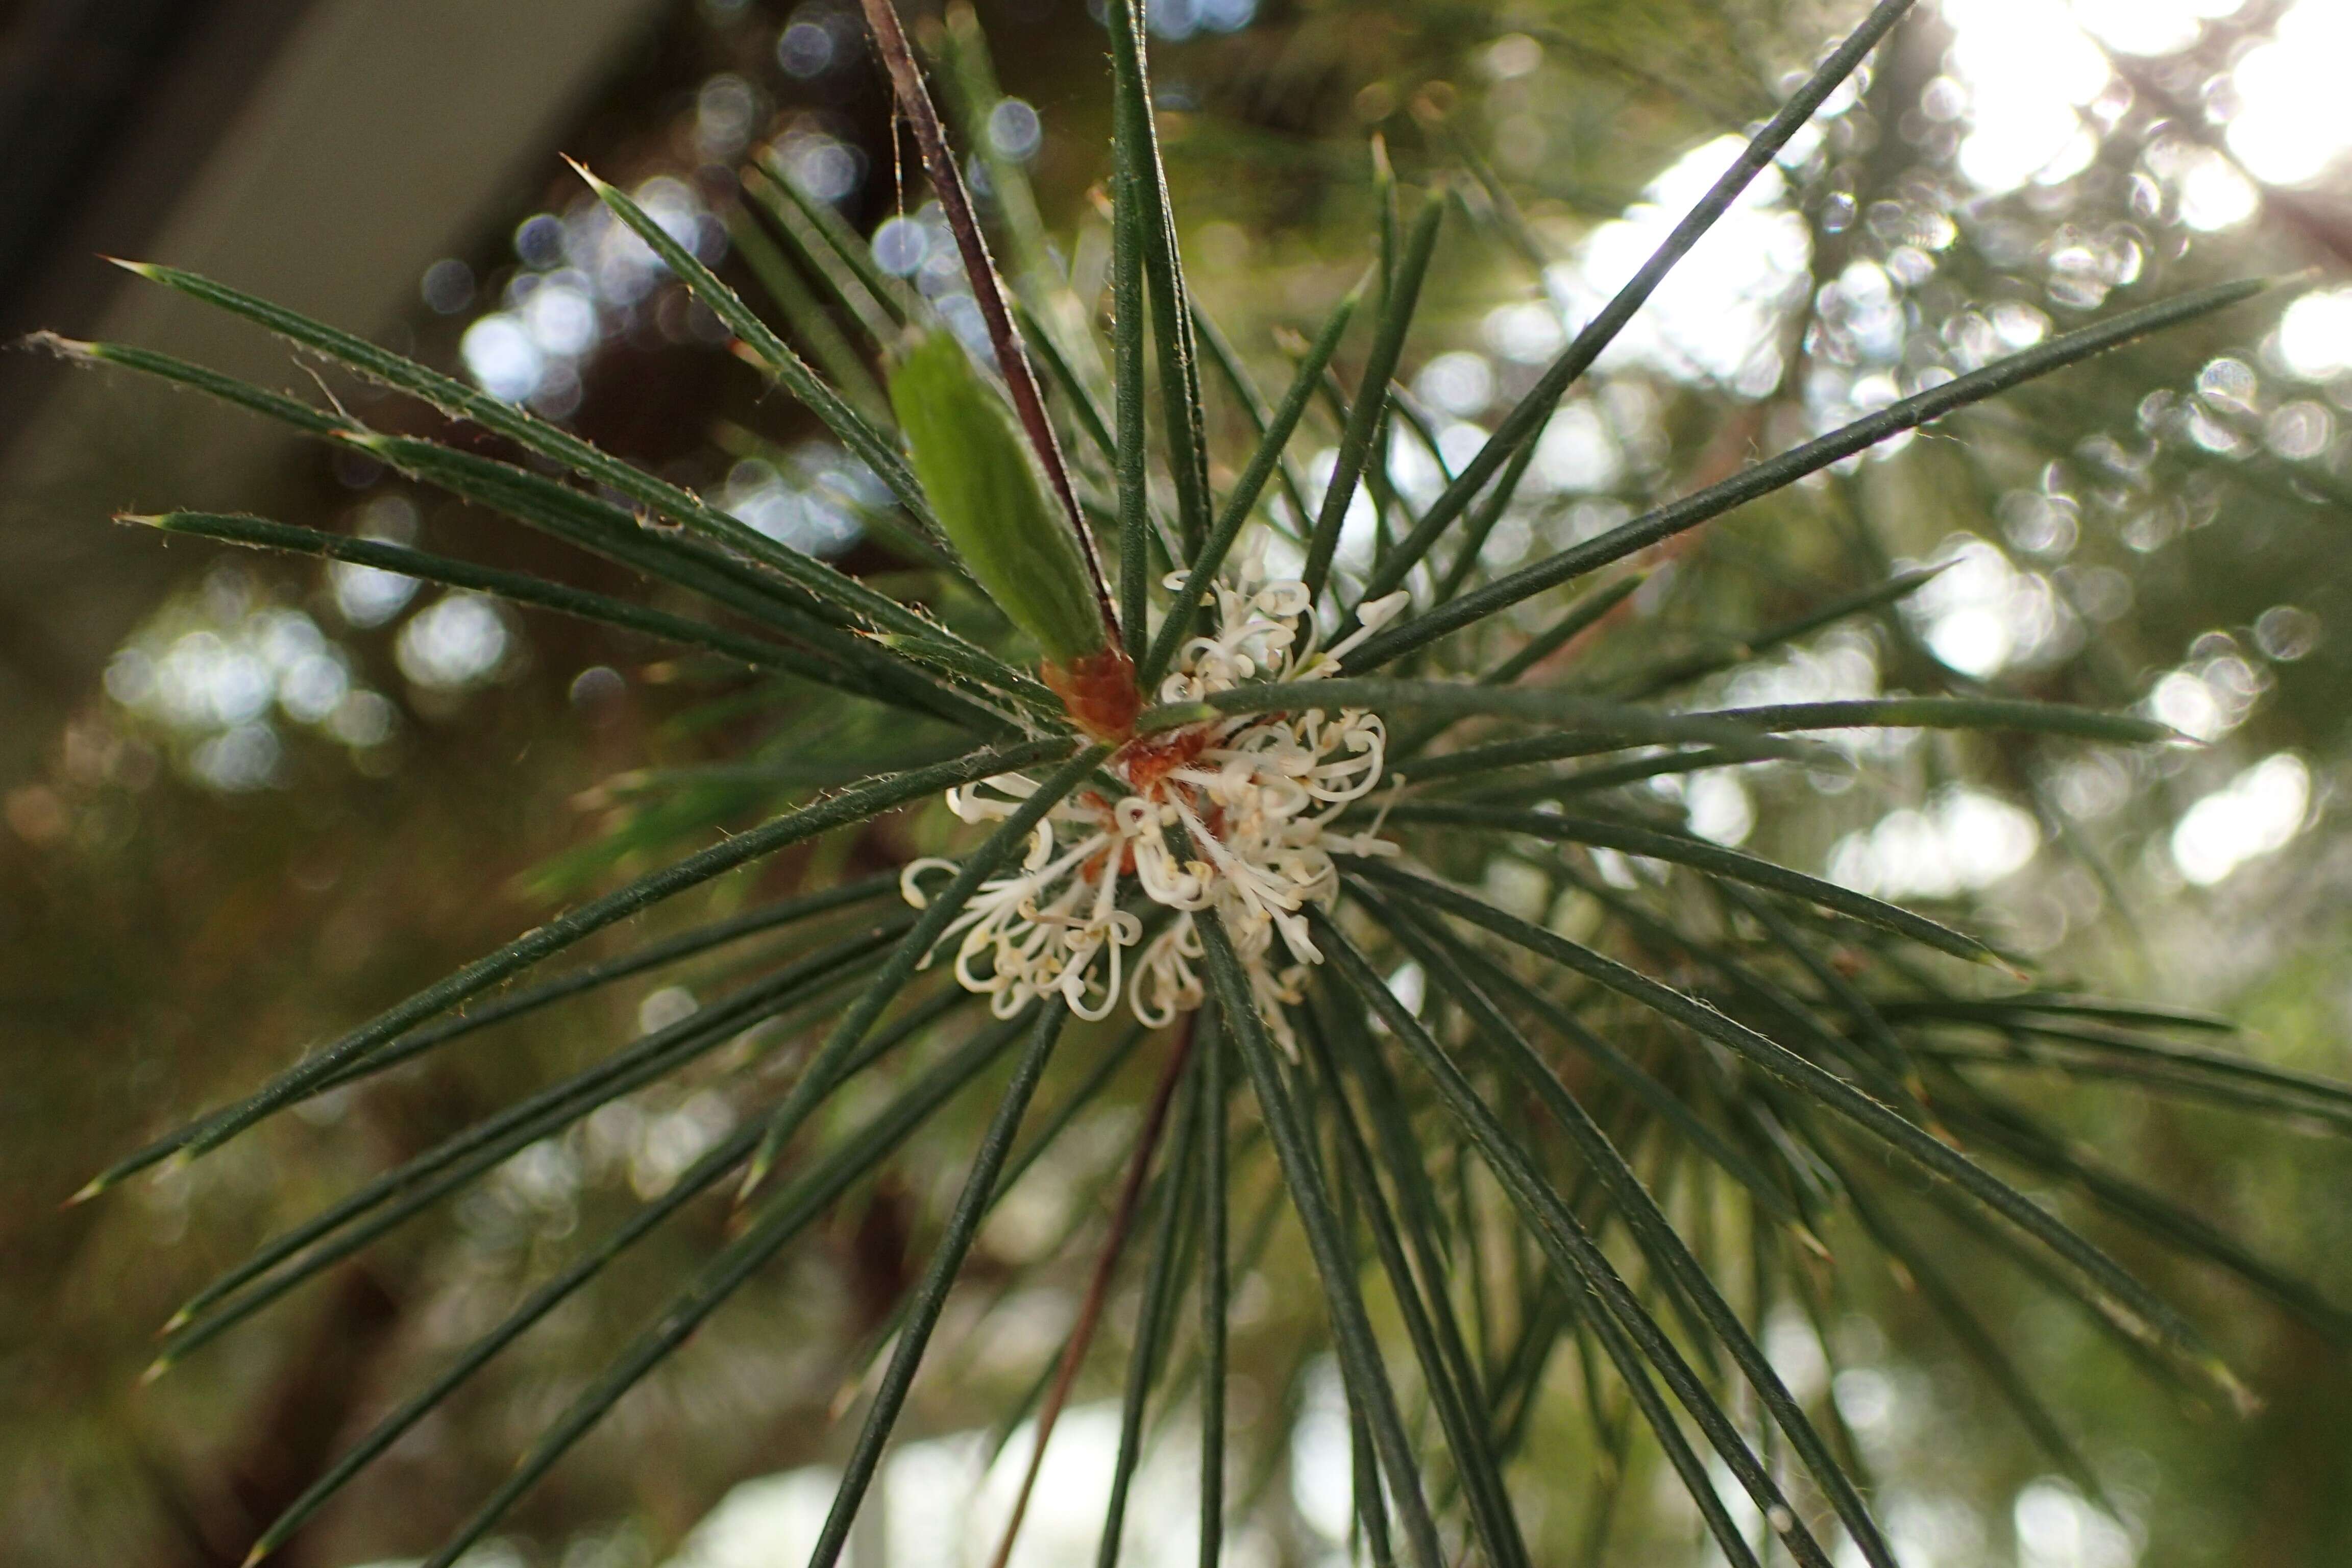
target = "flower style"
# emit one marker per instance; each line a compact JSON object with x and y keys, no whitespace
{"x":1233,"y":815}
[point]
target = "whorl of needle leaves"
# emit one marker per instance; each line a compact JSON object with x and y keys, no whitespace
{"x":1847,"y":1077}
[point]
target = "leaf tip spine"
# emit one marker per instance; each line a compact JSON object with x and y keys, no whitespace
{"x":2244,"y":1400}
{"x":754,"y":1179}
{"x":57,"y":344}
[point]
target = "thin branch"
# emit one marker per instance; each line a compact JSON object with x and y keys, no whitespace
{"x":1082,"y":1333}
{"x":1011,"y":354}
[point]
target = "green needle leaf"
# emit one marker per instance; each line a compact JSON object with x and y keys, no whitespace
{"x":459,"y":1158}
{"x":1874,"y":712}
{"x":856,"y":804}
{"x":806,"y":314}
{"x":1581,"y":1265}
{"x":1360,"y":1352}
{"x":1185,"y":608}
{"x":1763,"y":479}
{"x":2136,"y":1307}
{"x":1146,"y":226}
{"x":870,"y":446}
{"x":939,"y":913}
{"x":1429,"y":1325}
{"x":781,"y":1219}
{"x":939,"y":1278}
{"x":1712,"y":858}
{"x":260,"y":533}
{"x":1403,"y":296}
{"x":1528,"y":415}
{"x":1596,"y":720}
{"x":1658,"y":1239}
{"x":529,"y":999}
{"x":462,"y":402}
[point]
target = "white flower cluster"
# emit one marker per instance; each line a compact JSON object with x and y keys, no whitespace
{"x":1251,"y":797}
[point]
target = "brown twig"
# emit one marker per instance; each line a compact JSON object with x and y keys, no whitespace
{"x":1012,"y":355}
{"x":1082,"y":1332}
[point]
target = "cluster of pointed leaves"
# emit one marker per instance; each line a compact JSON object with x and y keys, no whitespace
{"x":1734,"y":1036}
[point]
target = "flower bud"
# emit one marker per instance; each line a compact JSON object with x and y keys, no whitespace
{"x":991,"y":499}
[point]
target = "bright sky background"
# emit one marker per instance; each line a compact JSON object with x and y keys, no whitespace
{"x":2033,"y":69}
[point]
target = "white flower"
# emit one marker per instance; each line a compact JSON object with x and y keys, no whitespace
{"x":1252,"y":796}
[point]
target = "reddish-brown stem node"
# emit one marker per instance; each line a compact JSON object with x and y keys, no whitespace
{"x":1098,"y":691}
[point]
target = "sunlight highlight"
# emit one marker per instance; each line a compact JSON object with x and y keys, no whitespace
{"x":2256,"y":813}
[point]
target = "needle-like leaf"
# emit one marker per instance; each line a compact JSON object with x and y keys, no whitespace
{"x":781,"y":1219}
{"x":1146,"y":227}
{"x":1599,"y":731}
{"x":260,"y":533}
{"x":1428,"y":1326}
{"x":851,"y":806}
{"x":1185,"y":609}
{"x":2139,"y":1309}
{"x":1711,"y":858}
{"x":1980,"y":1343}
{"x":1358,"y":1350}
{"x":458,"y":1159}
{"x":834,"y":253}
{"x":931,"y":1296}
{"x":1528,"y":417}
{"x":1663,"y":1101}
{"x":1667,"y":674}
{"x":884,"y":1132}
{"x":1259,"y":413}
{"x":462,"y":402}
{"x":1163,"y":1284}
{"x":1215,"y":1292}
{"x":1765,"y":477}
{"x":1582,"y":1265}
{"x":853,"y":430}
{"x":1398,"y":305}
{"x":806,"y":316}
{"x":1657,"y":1238}
{"x":514,"y":1003}
{"x":939,"y":911}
